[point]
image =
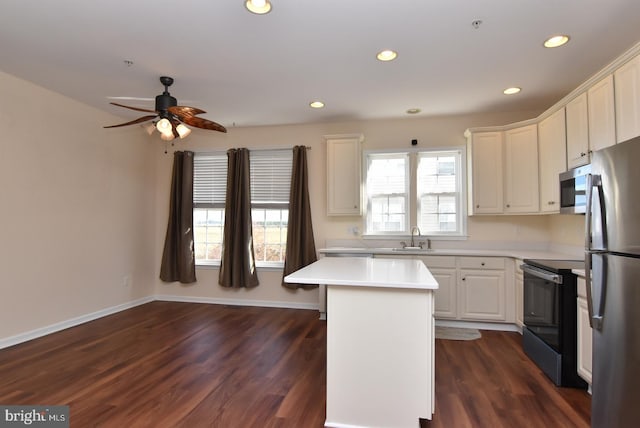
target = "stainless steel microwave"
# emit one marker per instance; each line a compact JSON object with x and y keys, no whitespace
{"x":573,"y":190}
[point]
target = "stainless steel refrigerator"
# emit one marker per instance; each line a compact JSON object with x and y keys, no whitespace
{"x":613,"y":257}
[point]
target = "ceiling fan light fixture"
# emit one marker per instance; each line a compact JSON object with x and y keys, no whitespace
{"x":259,"y":7}
{"x":166,"y":137}
{"x":183,"y":131}
{"x":164,"y":126}
{"x":149,"y":128}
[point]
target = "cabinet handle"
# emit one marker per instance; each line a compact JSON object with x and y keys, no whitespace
{"x":355,"y":206}
{"x":482,"y":264}
{"x":464,"y":279}
{"x":582,"y":154}
{"x":551,"y":202}
{"x":508,"y":206}
{"x":478,"y":206}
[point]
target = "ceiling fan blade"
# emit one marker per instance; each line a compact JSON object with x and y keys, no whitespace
{"x":133,"y":122}
{"x":199,"y":122}
{"x":134,"y":108}
{"x":185,"y":111}
{"x":187,"y":115}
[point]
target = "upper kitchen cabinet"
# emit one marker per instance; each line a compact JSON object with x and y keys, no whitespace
{"x":485,"y":176}
{"x":553,"y":159}
{"x":627,"y":100}
{"x":344,"y":174}
{"x":521,"y":170}
{"x":602,"y":115}
{"x":577,"y":132}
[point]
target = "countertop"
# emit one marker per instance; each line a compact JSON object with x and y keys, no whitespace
{"x":513,"y":253}
{"x":366,"y":272}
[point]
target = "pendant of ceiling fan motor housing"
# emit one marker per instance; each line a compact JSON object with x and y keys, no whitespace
{"x":164,"y":101}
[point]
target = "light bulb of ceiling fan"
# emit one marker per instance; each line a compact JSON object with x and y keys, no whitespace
{"x":164,"y":125}
{"x":183,"y":131}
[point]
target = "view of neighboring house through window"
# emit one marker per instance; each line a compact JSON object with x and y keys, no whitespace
{"x":270,"y":183}
{"x":415,"y":188}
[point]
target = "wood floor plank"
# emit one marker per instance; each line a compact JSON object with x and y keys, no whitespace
{"x":167,"y":364}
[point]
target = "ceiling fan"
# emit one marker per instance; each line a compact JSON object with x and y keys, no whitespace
{"x":171,"y":117}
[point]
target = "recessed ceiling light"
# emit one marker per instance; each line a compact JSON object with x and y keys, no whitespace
{"x":259,"y":7}
{"x":511,"y":91}
{"x":413,"y":111}
{"x":387,"y":55}
{"x":316,"y":104}
{"x":555,"y":41}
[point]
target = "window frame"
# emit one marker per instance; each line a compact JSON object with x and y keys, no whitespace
{"x":414,"y":203}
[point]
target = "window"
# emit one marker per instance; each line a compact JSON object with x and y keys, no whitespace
{"x":270,"y":186}
{"x":209,"y":190}
{"x":270,"y":174}
{"x":387,"y":192}
{"x":423,"y":188}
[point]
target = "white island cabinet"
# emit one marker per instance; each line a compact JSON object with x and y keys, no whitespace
{"x":380,"y":340}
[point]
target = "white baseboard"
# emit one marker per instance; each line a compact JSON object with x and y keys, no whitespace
{"x":43,"y":331}
{"x":238,"y":302}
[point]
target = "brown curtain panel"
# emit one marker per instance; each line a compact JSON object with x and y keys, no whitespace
{"x":178,"y":258}
{"x":238,"y":265}
{"x":301,"y":247}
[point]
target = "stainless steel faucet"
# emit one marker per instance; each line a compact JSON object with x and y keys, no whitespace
{"x":419,"y":234}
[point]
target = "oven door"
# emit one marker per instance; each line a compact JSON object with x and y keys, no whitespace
{"x":542,"y":303}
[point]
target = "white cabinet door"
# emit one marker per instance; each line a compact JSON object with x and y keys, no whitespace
{"x":601,"y":109}
{"x":445,"y":295}
{"x":627,"y":98}
{"x":521,"y":170}
{"x":577,"y":132}
{"x":482,"y":295}
{"x":485,"y":177}
{"x":553,"y":159}
{"x":344,"y":177}
{"x":584,"y":341}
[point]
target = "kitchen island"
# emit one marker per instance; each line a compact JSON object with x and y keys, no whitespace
{"x":380,"y":340}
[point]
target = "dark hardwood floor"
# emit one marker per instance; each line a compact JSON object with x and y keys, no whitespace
{"x":167,"y":364}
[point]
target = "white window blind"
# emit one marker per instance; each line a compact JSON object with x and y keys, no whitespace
{"x":270,"y":177}
{"x":209,"y":180}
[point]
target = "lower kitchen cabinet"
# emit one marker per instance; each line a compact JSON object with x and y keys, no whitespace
{"x":482,"y":295}
{"x":470,"y":288}
{"x":584,"y":334}
{"x":443,"y":269}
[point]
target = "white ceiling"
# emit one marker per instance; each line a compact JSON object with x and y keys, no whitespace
{"x":247,"y":70}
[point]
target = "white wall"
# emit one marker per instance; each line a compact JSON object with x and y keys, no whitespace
{"x":430,"y":132}
{"x":77,"y":209}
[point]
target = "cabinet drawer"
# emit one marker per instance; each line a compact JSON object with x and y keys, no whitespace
{"x":481,"y":262}
{"x":439,"y":261}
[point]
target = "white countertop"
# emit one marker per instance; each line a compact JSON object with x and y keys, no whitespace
{"x":366,"y":272}
{"x":514,"y":253}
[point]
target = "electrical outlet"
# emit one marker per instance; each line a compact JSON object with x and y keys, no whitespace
{"x":126,"y":281}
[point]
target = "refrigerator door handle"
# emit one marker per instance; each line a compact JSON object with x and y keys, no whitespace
{"x":595,"y":213}
{"x":599,"y":279}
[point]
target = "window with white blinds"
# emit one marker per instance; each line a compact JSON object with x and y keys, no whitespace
{"x":270,"y":175}
{"x":415,"y":188}
{"x":209,"y":180}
